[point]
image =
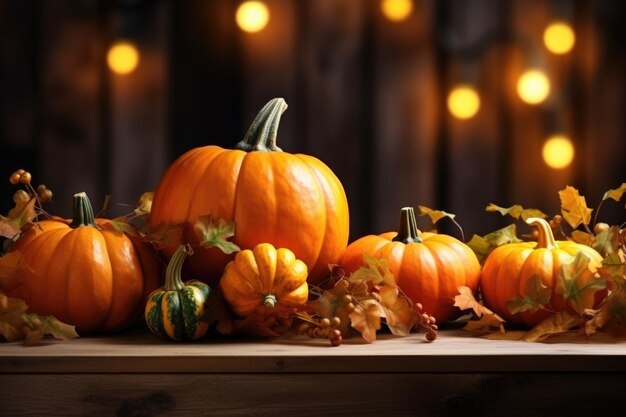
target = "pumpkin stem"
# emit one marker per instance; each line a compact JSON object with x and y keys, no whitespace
{"x":82,"y":211}
{"x":269,"y":301}
{"x":261,"y":135}
{"x":546,"y":238}
{"x":407,"y":227}
{"x":173,"y":281}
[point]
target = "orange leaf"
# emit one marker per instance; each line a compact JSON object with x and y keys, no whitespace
{"x":488,"y":323}
{"x":366,"y":320}
{"x":23,"y":212}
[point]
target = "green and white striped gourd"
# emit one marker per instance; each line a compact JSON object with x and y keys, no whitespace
{"x":174,"y":310}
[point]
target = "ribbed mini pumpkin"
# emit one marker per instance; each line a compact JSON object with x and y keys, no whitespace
{"x":264,"y":278}
{"x":428,"y":267}
{"x":508,"y":268}
{"x":290,"y":200}
{"x":84,"y":272}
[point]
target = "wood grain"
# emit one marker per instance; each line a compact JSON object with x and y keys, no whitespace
{"x":453,"y":351}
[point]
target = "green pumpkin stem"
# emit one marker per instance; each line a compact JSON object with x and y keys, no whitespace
{"x":407,"y":227}
{"x":269,"y":301}
{"x":261,"y":135}
{"x":546,"y":237}
{"x":82,"y":211}
{"x":173,"y":281}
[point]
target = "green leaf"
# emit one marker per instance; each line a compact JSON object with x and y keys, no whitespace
{"x":578,"y":284}
{"x":435,"y":215}
{"x":537,"y":295}
{"x":214,"y":233}
{"x":613,"y":267}
{"x":607,"y":241}
{"x":516,"y":211}
{"x":480,"y":246}
{"x":121,"y":225}
{"x":503,"y":236}
{"x":615,"y":194}
{"x":574,"y":207}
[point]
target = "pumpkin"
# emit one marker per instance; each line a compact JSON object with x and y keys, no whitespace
{"x":508,"y":268}
{"x":175,"y":310}
{"x":264,"y":278}
{"x":84,"y":272}
{"x":290,"y":200}
{"x":428,"y":267}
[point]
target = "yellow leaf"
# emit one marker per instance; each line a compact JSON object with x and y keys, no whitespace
{"x":574,"y":207}
{"x":488,"y":323}
{"x":144,"y":206}
{"x":561,"y":322}
{"x":615,"y":194}
{"x":366,"y":320}
{"x":435,"y":215}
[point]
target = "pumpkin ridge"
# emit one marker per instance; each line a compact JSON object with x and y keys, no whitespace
{"x":200,"y":184}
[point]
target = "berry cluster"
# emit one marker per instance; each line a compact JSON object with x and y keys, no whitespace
{"x":43,"y":193}
{"x":322,"y":328}
{"x":426,"y":323}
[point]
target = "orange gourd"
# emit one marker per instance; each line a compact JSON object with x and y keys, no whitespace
{"x":84,"y":272}
{"x":264,"y":278}
{"x":290,"y":200}
{"x":508,"y":268}
{"x":428,"y":267}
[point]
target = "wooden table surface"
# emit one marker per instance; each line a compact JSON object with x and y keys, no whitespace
{"x":136,"y":374}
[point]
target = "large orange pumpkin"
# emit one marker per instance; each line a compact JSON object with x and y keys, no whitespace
{"x":428,"y":267}
{"x":509,"y":267}
{"x":292,"y":201}
{"x":84,"y":272}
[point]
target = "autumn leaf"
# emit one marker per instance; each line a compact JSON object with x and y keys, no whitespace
{"x":578,"y":284}
{"x":434,"y":215}
{"x":214,"y":233}
{"x":574,"y":207}
{"x":480,"y":246}
{"x":556,"y":323}
{"x":366,"y":320}
{"x":516,"y":211}
{"x":615,"y":194}
{"x":373,"y":270}
{"x":465,"y":300}
{"x":396,"y":309}
{"x":503,"y":236}
{"x":607,"y":241}
{"x":486,"y":324}
{"x":8,"y":227}
{"x":613,"y":267}
{"x":536,"y":296}
{"x":166,"y":235}
{"x":144,"y":206}
{"x":583,"y":238}
{"x":16,"y":324}
{"x":23,"y":212}
{"x":121,"y":225}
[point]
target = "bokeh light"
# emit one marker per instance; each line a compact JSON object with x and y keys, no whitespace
{"x":463,"y":102}
{"x":252,"y":16}
{"x":533,"y":86}
{"x":558,"y":152}
{"x":559,"y":38}
{"x":396,"y":10}
{"x":123,"y":57}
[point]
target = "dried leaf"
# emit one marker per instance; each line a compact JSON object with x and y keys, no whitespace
{"x":465,"y":300}
{"x":373,"y":270}
{"x":486,"y":324}
{"x":167,"y":235}
{"x":583,"y":238}
{"x":8,"y":227}
{"x":503,"y":236}
{"x":144,"y":206}
{"x":608,"y":241}
{"x":516,"y":211}
{"x":556,"y":323}
{"x":481,"y":247}
{"x":434,"y":215}
{"x":47,"y":325}
{"x":574,"y":207}
{"x":615,"y":194}
{"x":214,"y":233}
{"x":397,"y":310}
{"x":366,"y":320}
{"x":578,"y":284}
{"x":613,"y":266}
{"x":536,"y":296}
{"x":23,"y":212}
{"x":121,"y":224}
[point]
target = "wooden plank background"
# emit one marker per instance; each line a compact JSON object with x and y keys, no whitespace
{"x":365,"y":95}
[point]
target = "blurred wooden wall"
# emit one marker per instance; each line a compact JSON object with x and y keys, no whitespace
{"x":365,"y":95}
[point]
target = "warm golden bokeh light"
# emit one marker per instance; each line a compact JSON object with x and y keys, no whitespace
{"x":396,"y":10}
{"x":463,"y":102}
{"x":123,"y":57}
{"x":559,"y":38}
{"x":533,"y":86}
{"x":252,"y":16}
{"x":558,"y":152}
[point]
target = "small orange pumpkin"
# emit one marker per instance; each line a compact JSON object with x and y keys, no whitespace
{"x":428,"y":267}
{"x":290,"y":200}
{"x":84,"y":272}
{"x":264,"y":278}
{"x":507,"y":269}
